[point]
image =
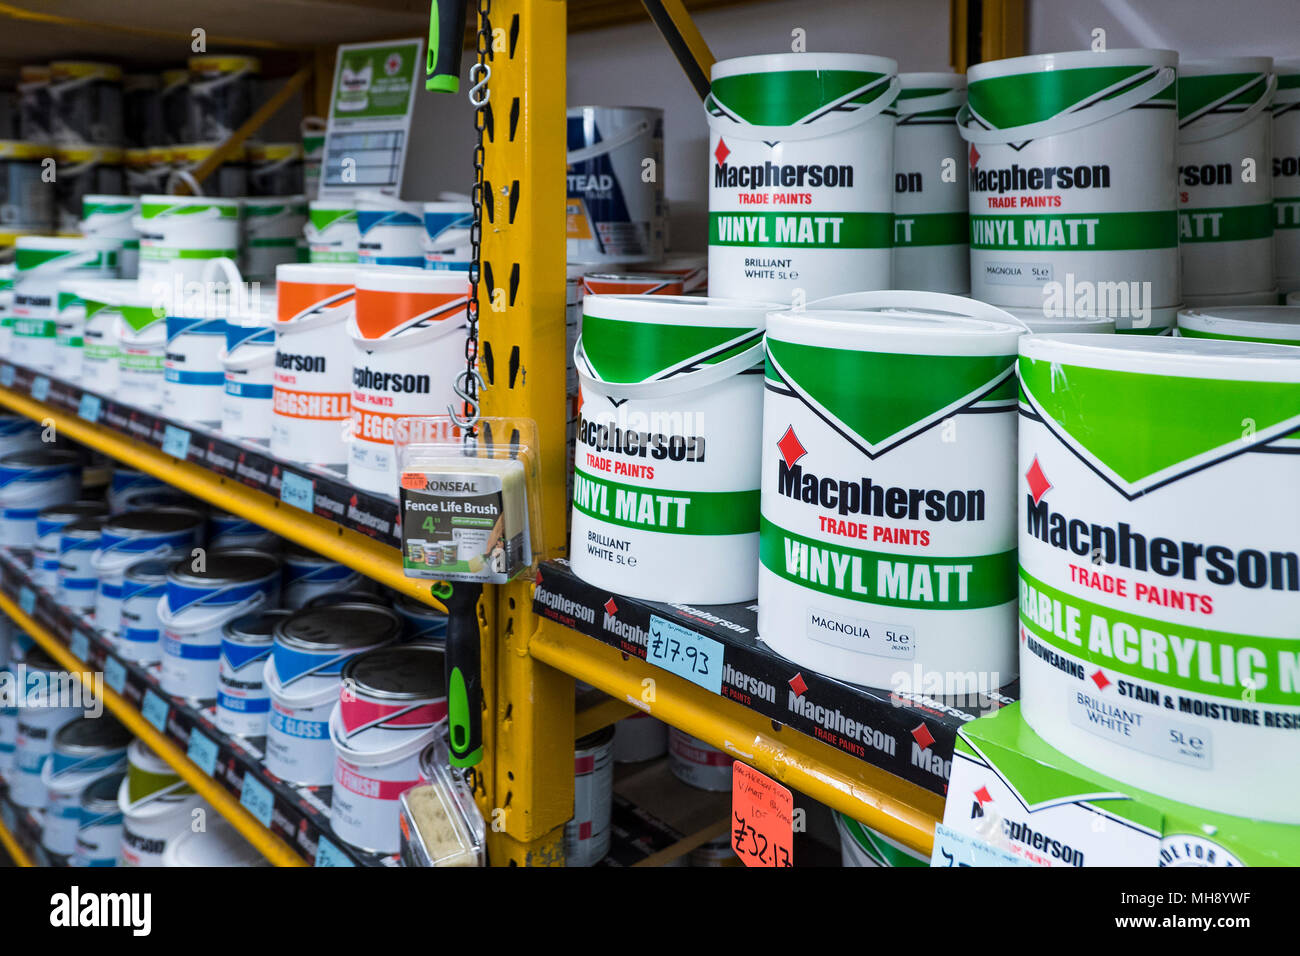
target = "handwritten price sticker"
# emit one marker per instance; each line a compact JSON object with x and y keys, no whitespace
{"x":762,"y":818}
{"x":685,"y":653}
{"x":297,"y":491}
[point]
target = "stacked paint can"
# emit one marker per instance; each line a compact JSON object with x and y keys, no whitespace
{"x":1072,"y":185}
{"x":307,"y":574}
{"x":228,"y":181}
{"x":801,"y":191}
{"x":99,"y":823}
{"x":110,"y":216}
{"x":1275,"y":324}
{"x":408,"y":347}
{"x":50,"y":523}
{"x":275,"y":169}
{"x":78,"y":583}
{"x":43,"y":264}
{"x":392,"y":702}
{"x":303,"y":677}
{"x":888,"y":428}
{"x":615,"y":211}
{"x":331,"y":231}
{"x":84,"y":751}
{"x":1158,"y":636}
{"x":697,"y":764}
{"x":446,"y":235}
{"x":862,"y":846}
{"x":671,"y":404}
{"x":86,"y":103}
{"x":1226,"y":214}
{"x":422,"y":622}
{"x":248,"y":367}
{"x":84,"y":171}
{"x":587,"y":834}
{"x":139,"y":636}
{"x":127,"y":486}
{"x":639,"y":737}
{"x":390,"y":231}
{"x":221,"y":90}
{"x":24,"y":203}
{"x":156,"y":807}
{"x":227,"y":530}
{"x":42,"y":710}
{"x":179,"y":233}
{"x":1286,"y":175}
{"x":30,"y":481}
{"x":243,"y":701}
{"x":132,"y":537}
{"x":273,"y":227}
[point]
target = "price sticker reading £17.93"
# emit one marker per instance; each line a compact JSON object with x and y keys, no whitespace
{"x":762,"y":818}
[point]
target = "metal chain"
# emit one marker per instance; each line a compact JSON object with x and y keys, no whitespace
{"x":469,"y":382}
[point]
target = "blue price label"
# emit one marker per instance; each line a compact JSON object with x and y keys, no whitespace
{"x":202,"y":751}
{"x":27,"y":599}
{"x":79,"y":644}
{"x":155,"y":710}
{"x":685,"y":653}
{"x":955,"y":849}
{"x":114,"y":673}
{"x":40,"y":388}
{"x":297,"y":491}
{"x":256,"y":798}
{"x":176,"y":442}
{"x":327,"y":854}
{"x":6,"y":375}
{"x":89,"y":407}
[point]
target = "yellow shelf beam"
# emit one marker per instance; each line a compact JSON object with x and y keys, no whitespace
{"x":880,"y":800}
{"x":376,"y":561}
{"x":222,"y":800}
{"x":599,"y":715}
{"x":13,"y":847}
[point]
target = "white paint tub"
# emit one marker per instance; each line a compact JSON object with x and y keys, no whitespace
{"x":243,"y":701}
{"x":50,"y":523}
{"x":198,"y":602}
{"x":307,"y":574}
{"x":99,"y":825}
{"x":156,"y":807}
{"x":143,"y":585}
{"x":801,"y":184}
{"x":331,"y":231}
{"x":178,"y":234}
{"x":667,"y":461}
{"x":1276,"y":324}
{"x":42,"y":264}
{"x":1286,"y":175}
{"x":863,"y":846}
{"x":313,"y":363}
{"x":78,"y":582}
{"x":408,"y":347}
{"x":446,"y":235}
{"x":696,"y":764}
{"x":29,"y":482}
{"x":193,"y":377}
{"x":1038,"y":322}
{"x":391,"y":232}
{"x":36,"y":727}
{"x":298,"y":748}
{"x":69,"y":332}
{"x":100,"y":333}
{"x":587,"y":834}
{"x":133,"y":537}
{"x":218,"y":845}
{"x":272,"y":227}
{"x":85,"y":750}
{"x":111,"y":217}
{"x":141,"y":351}
{"x":248,"y":364}
{"x":615,"y":211}
{"x":1266,"y":297}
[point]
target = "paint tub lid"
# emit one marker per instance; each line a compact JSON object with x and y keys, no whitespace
{"x":219,"y":845}
{"x":149,"y":571}
{"x":233,"y":565}
{"x":1040,"y":323}
{"x":88,"y":736}
{"x":1225,"y":64}
{"x":1275,"y":322}
{"x":595,"y":739}
{"x":72,"y":511}
{"x":680,"y":310}
{"x":911,"y":332}
{"x":90,"y":527}
{"x":1169,"y":355}
{"x":339,"y":627}
{"x":164,"y":520}
{"x":399,"y":672}
{"x":100,"y":796}
{"x":803,"y":62}
{"x":316,"y":273}
{"x":1071,"y":60}
{"x":412,"y":279}
{"x":33,"y":458}
{"x":254,"y":629}
{"x":330,"y":598}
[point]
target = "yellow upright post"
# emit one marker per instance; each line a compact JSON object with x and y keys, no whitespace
{"x":528,"y":726}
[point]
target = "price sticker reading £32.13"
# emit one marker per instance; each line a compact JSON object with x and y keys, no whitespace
{"x":762,"y":818}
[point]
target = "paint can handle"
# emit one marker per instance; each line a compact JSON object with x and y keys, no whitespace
{"x":1235,"y":121}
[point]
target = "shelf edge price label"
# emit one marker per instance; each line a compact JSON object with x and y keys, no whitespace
{"x":89,"y":407}
{"x":176,"y":442}
{"x":40,"y":388}
{"x":27,"y":600}
{"x":297,"y":491}
{"x":327,"y":854}
{"x":155,"y":710}
{"x":7,"y":376}
{"x":79,"y":644}
{"x":203,"y":751}
{"x":114,"y":673}
{"x":685,"y":653}
{"x":955,"y":849}
{"x":255,"y":797}
{"x":762,"y":818}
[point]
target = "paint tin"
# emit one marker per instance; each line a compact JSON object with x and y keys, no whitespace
{"x":39,"y":718}
{"x":99,"y":823}
{"x":367,"y":788}
{"x":391,"y":232}
{"x":139,"y":637}
{"x":35,"y":107}
{"x":407,"y":350}
{"x":86,"y":99}
{"x":141,"y":351}
{"x":1277,"y":324}
{"x":178,"y":234}
{"x":226,"y":530}
{"x":696,"y":764}
{"x":275,"y":169}
{"x":193,"y":378}
{"x":196,"y":606}
{"x":221,"y":93}
{"x":18,"y":433}
{"x":175,"y":102}
{"x":422,"y":622}
{"x":272,"y":228}
{"x":587,"y":834}
{"x":611,"y":283}
{"x":331,"y":231}
{"x":99,"y":353}
{"x":307,"y":574}
{"x":25,"y":202}
{"x":30,"y":481}
{"x":156,"y":807}
{"x":127,"y":485}
{"x":302,"y":676}
{"x":248,"y":364}
{"x":863,"y":846}
{"x":69,"y":332}
{"x":108,"y":216}
{"x":691,"y":267}
{"x":132,"y":537}
{"x":218,"y":845}
{"x":84,"y":170}
{"x":672,"y":396}
{"x":42,"y":263}
{"x":615,"y":213}
{"x":313,"y":363}
{"x":446,"y":235}
{"x":50,"y":523}
{"x":142,"y":121}
{"x":77,"y":580}
{"x":145,"y":171}
{"x":715,"y":853}
{"x":639,"y":737}
{"x":85,"y":750}
{"x":243,"y":701}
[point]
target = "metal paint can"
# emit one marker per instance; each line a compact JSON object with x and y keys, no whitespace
{"x":77,"y":580}
{"x":85,"y":749}
{"x":586,"y":836}
{"x":99,"y":823}
{"x":38,"y":721}
{"x":143,"y":585}
{"x":696,"y":764}
{"x":307,"y":574}
{"x":50,"y":523}
{"x":132,"y":537}
{"x":30,"y":481}
{"x":243,"y":701}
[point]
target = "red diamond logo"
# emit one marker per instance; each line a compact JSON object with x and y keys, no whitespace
{"x":611,"y":607}
{"x":353,"y":501}
{"x":538,"y":580}
{"x":974,"y":156}
{"x":1023,"y":635}
{"x":1038,"y":483}
{"x":790,"y":447}
{"x":983,"y":796}
{"x":798,"y":686}
{"x":1101,"y":680}
{"x":721,"y":153}
{"x":921,"y":734}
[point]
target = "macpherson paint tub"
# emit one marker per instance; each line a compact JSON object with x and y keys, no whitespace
{"x":199,"y":600}
{"x":368,"y":785}
{"x":29,"y":482}
{"x":389,"y":693}
{"x":99,"y":825}
{"x":69,"y":331}
{"x":77,"y":581}
{"x":408,"y":347}
{"x":156,"y":807}
{"x":42,"y":263}
{"x":888,"y":543}
{"x":178,"y":234}
{"x":313,"y":363}
{"x":302,"y":676}
{"x":139,"y":638}
{"x":587,"y":834}
{"x":248,"y":363}
{"x":667,"y":461}
{"x":696,"y":764}
{"x":103,"y":302}
{"x":615,"y":212}
{"x":614,"y":283}
{"x":931,"y":209}
{"x":243,"y":702}
{"x":85,"y":750}
{"x":391,"y":232}
{"x":272,"y":227}
{"x":1159,"y":566}
{"x":307,"y":575}
{"x":110,"y":217}
{"x":193,"y":377}
{"x":132,"y":537}
{"x":1094,"y":132}
{"x":691,"y":267}
{"x":50,"y":523}
{"x":863,"y":846}
{"x":1278,"y":324}
{"x":1038,"y":322}
{"x":1225,"y":218}
{"x":40,"y":715}
{"x":141,"y":351}
{"x":331,"y":231}
{"x":446,"y":235}
{"x":801,"y":184}
{"x":1286,"y":175}
{"x":218,"y":845}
